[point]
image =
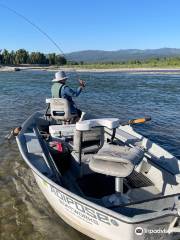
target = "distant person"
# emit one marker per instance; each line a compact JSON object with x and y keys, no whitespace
{"x":61,"y":90}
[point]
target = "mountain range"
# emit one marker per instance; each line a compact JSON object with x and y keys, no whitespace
{"x":94,"y":56}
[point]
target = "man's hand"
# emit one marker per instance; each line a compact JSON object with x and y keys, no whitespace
{"x":82,"y":83}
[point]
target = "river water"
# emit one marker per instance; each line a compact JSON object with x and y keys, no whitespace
{"x":24,"y":212}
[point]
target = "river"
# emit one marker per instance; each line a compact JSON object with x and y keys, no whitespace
{"x":24,"y":212}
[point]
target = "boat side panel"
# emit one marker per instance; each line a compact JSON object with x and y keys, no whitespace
{"x":94,"y":223}
{"x":84,"y":218}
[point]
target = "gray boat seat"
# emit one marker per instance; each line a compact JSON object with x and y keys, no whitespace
{"x":60,"y":109}
{"x":89,"y":134}
{"x":88,"y":141}
{"x":115,"y":160}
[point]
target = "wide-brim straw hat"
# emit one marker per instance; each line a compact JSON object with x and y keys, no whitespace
{"x":60,"y":76}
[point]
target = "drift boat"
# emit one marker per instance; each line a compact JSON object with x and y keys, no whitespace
{"x":101,"y":177}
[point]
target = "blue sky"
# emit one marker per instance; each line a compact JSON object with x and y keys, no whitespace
{"x":94,"y":24}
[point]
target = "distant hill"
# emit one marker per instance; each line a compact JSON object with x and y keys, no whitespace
{"x":94,"y":56}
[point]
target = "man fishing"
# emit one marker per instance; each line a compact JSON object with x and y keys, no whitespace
{"x":61,"y":90}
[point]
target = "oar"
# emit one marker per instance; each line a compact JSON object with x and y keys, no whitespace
{"x":136,"y":121}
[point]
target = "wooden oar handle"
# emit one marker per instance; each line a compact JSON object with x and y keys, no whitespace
{"x":138,"y":120}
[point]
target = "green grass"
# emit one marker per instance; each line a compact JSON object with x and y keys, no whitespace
{"x":150,"y":63}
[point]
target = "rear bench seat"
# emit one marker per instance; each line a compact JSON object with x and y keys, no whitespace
{"x":62,"y":130}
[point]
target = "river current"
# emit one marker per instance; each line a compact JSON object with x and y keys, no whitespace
{"x":24,"y":212}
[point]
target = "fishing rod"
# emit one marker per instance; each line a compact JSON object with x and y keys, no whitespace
{"x":39,"y":29}
{"x":15,"y":131}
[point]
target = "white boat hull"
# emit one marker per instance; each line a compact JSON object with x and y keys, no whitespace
{"x":92,"y":222}
{"x":83,"y":217}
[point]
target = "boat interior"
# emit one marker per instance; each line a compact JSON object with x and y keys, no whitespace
{"x":101,"y":162}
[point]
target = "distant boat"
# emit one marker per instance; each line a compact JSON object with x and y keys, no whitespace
{"x":103,"y":178}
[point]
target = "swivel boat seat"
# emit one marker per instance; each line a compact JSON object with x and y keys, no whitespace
{"x":89,"y":139}
{"x":119,"y":162}
{"x":113,"y":160}
{"x":60,"y":110}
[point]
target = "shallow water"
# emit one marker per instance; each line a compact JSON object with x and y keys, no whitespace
{"x":24,"y":213}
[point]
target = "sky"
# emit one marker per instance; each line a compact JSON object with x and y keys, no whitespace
{"x":77,"y":25}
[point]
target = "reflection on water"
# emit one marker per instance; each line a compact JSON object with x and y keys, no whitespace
{"x":25,"y":214}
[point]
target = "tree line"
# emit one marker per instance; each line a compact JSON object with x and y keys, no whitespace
{"x":22,"y":56}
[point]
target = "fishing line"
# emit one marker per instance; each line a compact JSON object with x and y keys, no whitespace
{"x":9,"y":136}
{"x":37,"y":28}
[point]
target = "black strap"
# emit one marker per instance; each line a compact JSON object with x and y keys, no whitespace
{"x":60,"y":90}
{"x":113,"y":135}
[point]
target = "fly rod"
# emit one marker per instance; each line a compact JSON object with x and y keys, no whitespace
{"x":20,"y":15}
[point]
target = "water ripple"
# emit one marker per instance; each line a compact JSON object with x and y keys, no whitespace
{"x":25,"y":213}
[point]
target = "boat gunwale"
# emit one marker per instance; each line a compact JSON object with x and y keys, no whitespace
{"x":151,"y":157}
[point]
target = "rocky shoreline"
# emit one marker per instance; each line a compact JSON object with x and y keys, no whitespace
{"x":55,"y":68}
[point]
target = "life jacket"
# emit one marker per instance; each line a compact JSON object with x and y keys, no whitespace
{"x":56,"y":92}
{"x":57,"y":89}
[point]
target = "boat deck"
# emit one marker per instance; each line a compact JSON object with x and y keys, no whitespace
{"x":96,"y":186}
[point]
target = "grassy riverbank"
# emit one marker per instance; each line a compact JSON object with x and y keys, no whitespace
{"x":23,"y":59}
{"x":92,"y":68}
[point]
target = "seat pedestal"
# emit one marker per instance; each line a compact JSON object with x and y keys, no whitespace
{"x":119,"y":162}
{"x":119,"y":185}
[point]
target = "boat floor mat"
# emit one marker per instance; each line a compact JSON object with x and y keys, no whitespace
{"x":138,"y":180}
{"x":97,"y":185}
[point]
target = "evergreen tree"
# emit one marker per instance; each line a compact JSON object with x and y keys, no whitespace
{"x":60,"y":60}
{"x":5,"y":57}
{"x":37,"y":58}
{"x":12,"y":58}
{"x":21,"y":56}
{"x":52,"y":58}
